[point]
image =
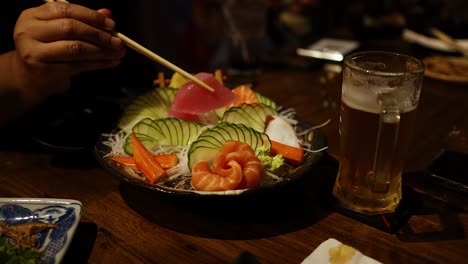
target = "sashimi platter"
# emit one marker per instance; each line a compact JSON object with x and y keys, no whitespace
{"x":180,"y":138}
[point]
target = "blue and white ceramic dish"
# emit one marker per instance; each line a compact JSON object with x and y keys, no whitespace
{"x":64,"y":213}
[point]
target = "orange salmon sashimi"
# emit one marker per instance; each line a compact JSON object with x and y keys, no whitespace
{"x":235,"y":167}
{"x":246,"y":96}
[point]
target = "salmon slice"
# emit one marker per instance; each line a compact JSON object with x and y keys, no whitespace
{"x":235,"y":167}
{"x":246,"y":96}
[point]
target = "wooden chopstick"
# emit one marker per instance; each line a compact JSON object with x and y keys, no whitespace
{"x":153,"y":56}
{"x":450,"y":41}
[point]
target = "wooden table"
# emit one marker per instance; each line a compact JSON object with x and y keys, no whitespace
{"x":121,"y":224}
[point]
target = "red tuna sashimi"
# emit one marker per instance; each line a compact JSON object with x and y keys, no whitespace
{"x":196,"y":100}
{"x":185,"y":116}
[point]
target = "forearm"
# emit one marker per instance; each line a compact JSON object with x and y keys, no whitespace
{"x":14,"y":100}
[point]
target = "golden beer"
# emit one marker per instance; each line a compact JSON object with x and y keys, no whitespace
{"x":376,"y":125}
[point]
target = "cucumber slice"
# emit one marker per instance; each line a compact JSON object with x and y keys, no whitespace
{"x":176,"y":138}
{"x":260,"y":98}
{"x":215,"y":137}
{"x":210,"y":141}
{"x":164,"y":132}
{"x":189,"y":131}
{"x":146,"y":140}
{"x":146,"y":127}
{"x":252,"y":115}
{"x":146,"y":132}
{"x":266,"y":101}
{"x":167,"y":130}
{"x":154,"y":105}
{"x":220,"y":112}
{"x":207,"y":142}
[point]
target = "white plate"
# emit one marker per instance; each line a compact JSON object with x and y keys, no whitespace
{"x":329,"y":49}
{"x":64,"y":213}
{"x":333,"y":248}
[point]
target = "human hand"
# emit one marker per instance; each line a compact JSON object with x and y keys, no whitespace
{"x":58,"y":40}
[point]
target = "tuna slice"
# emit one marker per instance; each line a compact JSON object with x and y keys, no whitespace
{"x":185,"y":116}
{"x":195,"y":100}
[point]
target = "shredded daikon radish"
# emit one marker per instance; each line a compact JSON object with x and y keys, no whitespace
{"x":272,"y":175}
{"x":182,"y":167}
{"x":314,"y":127}
{"x":288,"y":114}
{"x":307,"y":147}
{"x":115,"y":141}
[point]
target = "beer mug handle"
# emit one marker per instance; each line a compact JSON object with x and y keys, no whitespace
{"x":385,"y":151}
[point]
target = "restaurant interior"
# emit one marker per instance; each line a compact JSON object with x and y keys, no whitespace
{"x":292,"y":52}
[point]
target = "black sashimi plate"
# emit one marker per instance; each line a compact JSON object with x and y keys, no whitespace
{"x":314,"y":136}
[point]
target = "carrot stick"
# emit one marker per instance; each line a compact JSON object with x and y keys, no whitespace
{"x":145,"y":162}
{"x":292,"y":154}
{"x":166,"y":161}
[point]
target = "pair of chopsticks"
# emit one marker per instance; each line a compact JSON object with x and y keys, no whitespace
{"x":151,"y":55}
{"x":450,"y":41}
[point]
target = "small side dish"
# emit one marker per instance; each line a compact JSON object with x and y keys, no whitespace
{"x":447,"y":68}
{"x":36,"y":230}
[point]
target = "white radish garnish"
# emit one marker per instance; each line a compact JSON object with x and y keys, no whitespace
{"x":280,"y":130}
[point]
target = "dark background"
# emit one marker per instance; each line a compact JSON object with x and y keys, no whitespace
{"x":193,"y":34}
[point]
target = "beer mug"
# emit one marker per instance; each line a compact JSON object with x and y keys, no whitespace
{"x":380,"y":94}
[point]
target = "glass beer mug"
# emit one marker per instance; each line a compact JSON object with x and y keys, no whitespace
{"x":380,"y":94}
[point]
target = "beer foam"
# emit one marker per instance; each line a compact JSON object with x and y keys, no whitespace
{"x":365,"y":98}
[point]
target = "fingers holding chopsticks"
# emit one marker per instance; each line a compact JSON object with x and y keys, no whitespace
{"x":148,"y":53}
{"x":57,"y":40}
{"x":70,"y":51}
{"x":63,"y":21}
{"x":59,"y":10}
